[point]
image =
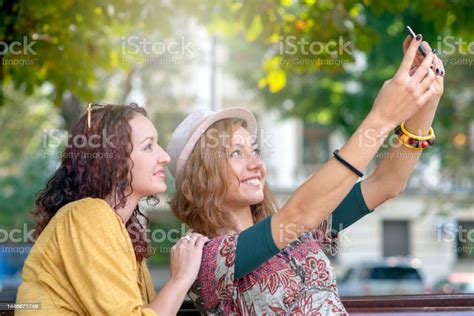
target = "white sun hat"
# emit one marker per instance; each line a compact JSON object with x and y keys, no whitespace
{"x":188,"y":132}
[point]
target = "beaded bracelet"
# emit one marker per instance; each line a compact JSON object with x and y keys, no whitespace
{"x":412,"y":141}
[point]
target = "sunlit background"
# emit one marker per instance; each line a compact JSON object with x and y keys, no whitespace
{"x":309,"y":70}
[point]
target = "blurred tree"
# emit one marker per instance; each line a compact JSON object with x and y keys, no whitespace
{"x":270,"y":46}
{"x":27,"y":155}
{"x":71,"y":44}
{"x":71,"y":52}
{"x":76,"y":46}
{"x":165,"y":230}
{"x":285,"y":26}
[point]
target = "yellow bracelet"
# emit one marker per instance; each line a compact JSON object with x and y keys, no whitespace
{"x":430,"y":134}
{"x":409,"y":146}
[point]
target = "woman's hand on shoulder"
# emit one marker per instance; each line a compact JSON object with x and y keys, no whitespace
{"x":186,"y":257}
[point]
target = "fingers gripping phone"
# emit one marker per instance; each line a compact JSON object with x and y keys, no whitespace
{"x":413,"y":35}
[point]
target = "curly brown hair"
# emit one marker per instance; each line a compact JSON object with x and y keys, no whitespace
{"x":96,"y":164}
{"x":199,"y":197}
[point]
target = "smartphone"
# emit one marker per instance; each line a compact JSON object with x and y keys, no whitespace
{"x":410,"y":32}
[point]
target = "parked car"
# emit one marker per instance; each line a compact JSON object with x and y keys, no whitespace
{"x":460,"y":282}
{"x":392,"y":276}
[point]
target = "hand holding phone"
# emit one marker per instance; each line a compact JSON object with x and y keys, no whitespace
{"x":413,"y":35}
{"x":437,"y":66}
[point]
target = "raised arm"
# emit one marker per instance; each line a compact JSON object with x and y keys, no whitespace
{"x":315,"y":199}
{"x":392,"y":173}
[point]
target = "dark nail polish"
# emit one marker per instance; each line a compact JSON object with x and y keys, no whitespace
{"x":418,"y":37}
{"x":434,"y":51}
{"x":437,"y":70}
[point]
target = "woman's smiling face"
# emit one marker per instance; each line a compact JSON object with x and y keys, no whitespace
{"x":149,"y":159}
{"x":247,"y":179}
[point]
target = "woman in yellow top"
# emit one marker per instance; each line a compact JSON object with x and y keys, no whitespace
{"x":89,"y":256}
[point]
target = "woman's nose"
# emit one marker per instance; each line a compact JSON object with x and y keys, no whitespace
{"x":163,"y":157}
{"x":255,"y":162}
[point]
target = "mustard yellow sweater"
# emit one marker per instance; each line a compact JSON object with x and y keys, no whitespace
{"x":83,"y":263}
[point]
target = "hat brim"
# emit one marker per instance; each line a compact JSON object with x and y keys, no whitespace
{"x":231,"y":113}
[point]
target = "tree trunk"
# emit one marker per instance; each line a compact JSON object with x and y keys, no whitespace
{"x":71,"y":110}
{"x":128,"y":84}
{"x":8,"y":16}
{"x":1,"y":80}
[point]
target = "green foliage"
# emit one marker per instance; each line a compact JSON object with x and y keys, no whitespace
{"x":74,"y":44}
{"x":374,"y":28}
{"x":332,"y":89}
{"x":165,"y":230}
{"x":25,"y":159}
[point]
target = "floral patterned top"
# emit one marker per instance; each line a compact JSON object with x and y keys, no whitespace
{"x":298,"y":280}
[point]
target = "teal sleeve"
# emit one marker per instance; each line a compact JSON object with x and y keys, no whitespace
{"x":255,"y":245}
{"x":350,"y":210}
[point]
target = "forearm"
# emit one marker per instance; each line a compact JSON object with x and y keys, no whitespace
{"x":399,"y":162}
{"x":398,"y":100}
{"x":169,"y":299}
{"x":326,"y":188}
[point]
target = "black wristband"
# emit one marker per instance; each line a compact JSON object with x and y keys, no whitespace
{"x":345,"y":163}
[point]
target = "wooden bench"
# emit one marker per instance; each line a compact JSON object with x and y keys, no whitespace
{"x":426,"y":304}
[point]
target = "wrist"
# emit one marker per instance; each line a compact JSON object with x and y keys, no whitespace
{"x":378,"y":125}
{"x":179,"y":283}
{"x":434,"y":102}
{"x":422,"y":120}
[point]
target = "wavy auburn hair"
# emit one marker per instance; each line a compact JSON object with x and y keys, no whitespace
{"x":201,"y":189}
{"x":96,"y":164}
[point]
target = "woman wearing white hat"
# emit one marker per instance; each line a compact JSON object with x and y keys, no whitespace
{"x":263,"y":261}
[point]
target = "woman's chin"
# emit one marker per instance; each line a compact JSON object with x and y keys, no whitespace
{"x":158,"y":189}
{"x":162,"y":188}
{"x":256,"y":199}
